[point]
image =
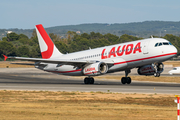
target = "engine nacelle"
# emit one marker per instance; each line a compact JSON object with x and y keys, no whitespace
{"x":146,"y":70}
{"x":95,"y":69}
{"x":150,"y":69}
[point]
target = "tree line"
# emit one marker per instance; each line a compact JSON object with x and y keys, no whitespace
{"x":20,"y":45}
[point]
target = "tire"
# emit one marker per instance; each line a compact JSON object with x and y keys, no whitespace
{"x":128,"y":80}
{"x":156,"y":74}
{"x":86,"y":80}
{"x":91,"y":80}
{"x":123,"y":80}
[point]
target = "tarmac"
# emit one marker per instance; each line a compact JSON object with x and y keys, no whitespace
{"x":34,"y":79}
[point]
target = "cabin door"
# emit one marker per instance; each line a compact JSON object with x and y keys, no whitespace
{"x":145,"y":47}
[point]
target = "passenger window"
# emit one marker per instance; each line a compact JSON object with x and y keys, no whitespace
{"x":156,"y":44}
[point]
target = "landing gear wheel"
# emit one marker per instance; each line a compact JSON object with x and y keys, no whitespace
{"x":91,"y":80}
{"x":123,"y":80}
{"x":128,"y":80}
{"x":88,"y":80}
{"x":156,"y":74}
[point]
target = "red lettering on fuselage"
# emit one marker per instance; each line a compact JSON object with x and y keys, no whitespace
{"x":137,"y":48}
{"x":118,"y":50}
{"x":128,"y":49}
{"x":102,"y":56}
{"x":112,"y":52}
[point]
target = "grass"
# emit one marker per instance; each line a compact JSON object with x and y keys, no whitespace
{"x":20,"y":105}
{"x":47,"y":105}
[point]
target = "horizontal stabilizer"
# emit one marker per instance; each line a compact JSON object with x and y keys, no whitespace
{"x":5,"y":57}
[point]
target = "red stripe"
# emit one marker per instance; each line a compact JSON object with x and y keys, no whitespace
{"x":178,"y":104}
{"x":46,"y":54}
{"x":144,"y":58}
{"x":114,"y":64}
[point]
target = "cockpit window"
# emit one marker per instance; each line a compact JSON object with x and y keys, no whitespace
{"x":156,"y":44}
{"x":165,"y":43}
{"x":170,"y":43}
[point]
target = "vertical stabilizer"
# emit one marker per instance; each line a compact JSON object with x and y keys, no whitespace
{"x":47,"y":47}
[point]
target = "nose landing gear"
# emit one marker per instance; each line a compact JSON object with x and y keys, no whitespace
{"x":159,"y":67}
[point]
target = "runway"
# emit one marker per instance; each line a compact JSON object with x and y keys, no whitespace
{"x":33,"y":79}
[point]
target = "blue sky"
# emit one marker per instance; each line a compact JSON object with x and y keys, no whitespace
{"x":26,"y":14}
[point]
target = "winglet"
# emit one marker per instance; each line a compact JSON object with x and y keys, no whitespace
{"x":5,"y":57}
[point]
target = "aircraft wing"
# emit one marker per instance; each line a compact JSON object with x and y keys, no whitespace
{"x":78,"y":63}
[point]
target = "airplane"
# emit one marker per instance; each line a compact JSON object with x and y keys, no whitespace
{"x":175,"y":70}
{"x":147,"y":55}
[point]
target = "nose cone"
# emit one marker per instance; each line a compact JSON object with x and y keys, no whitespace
{"x":174,"y":50}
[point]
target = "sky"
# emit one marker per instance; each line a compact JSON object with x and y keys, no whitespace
{"x":25,"y":14}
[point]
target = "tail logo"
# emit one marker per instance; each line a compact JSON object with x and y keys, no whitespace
{"x":46,"y":51}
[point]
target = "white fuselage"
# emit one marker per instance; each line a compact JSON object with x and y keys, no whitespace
{"x":122,"y":56}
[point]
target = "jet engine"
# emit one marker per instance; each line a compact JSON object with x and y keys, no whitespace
{"x":154,"y":69}
{"x":95,"y":69}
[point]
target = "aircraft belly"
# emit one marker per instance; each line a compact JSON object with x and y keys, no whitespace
{"x":118,"y":67}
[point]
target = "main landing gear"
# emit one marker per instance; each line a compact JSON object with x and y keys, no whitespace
{"x":89,"y":80}
{"x":126,"y":79}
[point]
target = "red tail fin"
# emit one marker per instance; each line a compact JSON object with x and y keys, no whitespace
{"x":47,"y":47}
{"x":5,"y":57}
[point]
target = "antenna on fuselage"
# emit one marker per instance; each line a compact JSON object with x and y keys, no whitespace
{"x":151,"y":36}
{"x":90,"y":48}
